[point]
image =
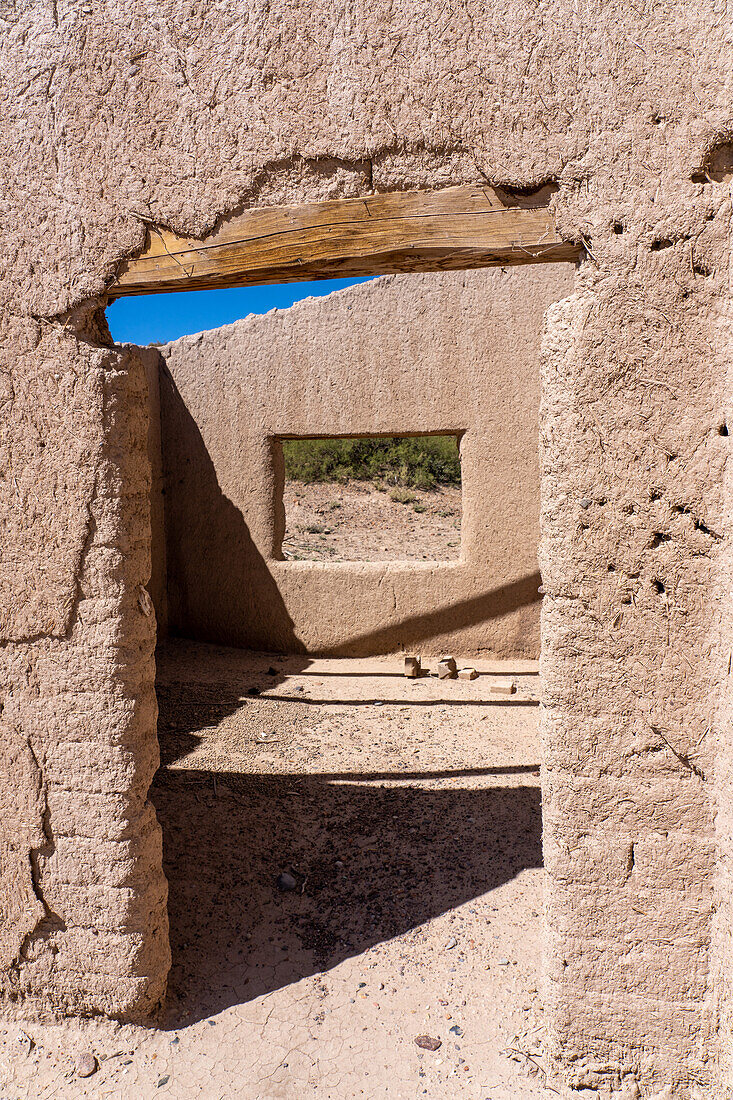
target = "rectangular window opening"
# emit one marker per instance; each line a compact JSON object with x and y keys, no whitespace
{"x":372,"y":498}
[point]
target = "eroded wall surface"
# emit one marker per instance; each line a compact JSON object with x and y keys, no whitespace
{"x":82,"y":896}
{"x":634,"y":521}
{"x":118,"y":115}
{"x":411,"y":353}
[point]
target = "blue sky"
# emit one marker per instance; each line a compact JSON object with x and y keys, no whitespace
{"x":157,"y":318}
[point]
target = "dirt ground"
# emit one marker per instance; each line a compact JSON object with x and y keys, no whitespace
{"x":354,"y":863}
{"x":357,"y":522}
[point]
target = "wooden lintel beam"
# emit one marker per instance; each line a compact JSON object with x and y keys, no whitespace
{"x":462,"y":227}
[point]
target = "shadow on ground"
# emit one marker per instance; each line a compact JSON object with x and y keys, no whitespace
{"x":370,"y":862}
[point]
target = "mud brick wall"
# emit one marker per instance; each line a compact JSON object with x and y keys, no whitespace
{"x":634,"y":513}
{"x":410,"y":353}
{"x":628,"y":109}
{"x":721,"y":743}
{"x":83,"y":898}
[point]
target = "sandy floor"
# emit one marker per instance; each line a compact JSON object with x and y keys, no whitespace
{"x":356,"y":522}
{"x":407,"y":815}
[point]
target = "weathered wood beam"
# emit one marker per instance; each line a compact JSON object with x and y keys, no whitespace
{"x":462,"y":227}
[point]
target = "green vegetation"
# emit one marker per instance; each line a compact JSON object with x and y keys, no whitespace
{"x":417,"y":462}
{"x":402,"y":496}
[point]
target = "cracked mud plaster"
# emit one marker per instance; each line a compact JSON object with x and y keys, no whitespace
{"x":22,"y":806}
{"x":633,"y":463}
{"x":50,"y":449}
{"x":116,"y":116}
{"x":411,"y":353}
{"x":84,"y":921}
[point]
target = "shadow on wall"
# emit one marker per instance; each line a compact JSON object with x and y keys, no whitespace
{"x":220,"y":588}
{"x":211,"y":559}
{"x":451,"y":618}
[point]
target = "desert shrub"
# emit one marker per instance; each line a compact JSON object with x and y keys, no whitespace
{"x":402,"y":496}
{"x":417,"y":462}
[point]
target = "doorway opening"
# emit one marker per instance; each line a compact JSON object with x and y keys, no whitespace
{"x":351,"y":852}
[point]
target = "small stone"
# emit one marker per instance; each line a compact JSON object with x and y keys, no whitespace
{"x":456,"y":1030}
{"x":427,"y":1042}
{"x":285,"y":881}
{"x":452,"y":942}
{"x":272,"y":671}
{"x":86,"y":1065}
{"x":447,"y":669}
{"x":586,"y":502}
{"x":503,"y":687}
{"x":467,"y":674}
{"x":413,"y":667}
{"x":503,"y":962}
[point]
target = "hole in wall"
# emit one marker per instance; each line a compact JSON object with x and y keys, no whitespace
{"x":373,"y":498}
{"x":527,"y":198}
{"x":717,"y":166}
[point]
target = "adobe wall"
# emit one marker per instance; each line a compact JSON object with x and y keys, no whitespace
{"x":82,"y":895}
{"x":411,"y":353}
{"x":633,"y":517}
{"x":118,"y":116}
{"x":723,"y":744}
